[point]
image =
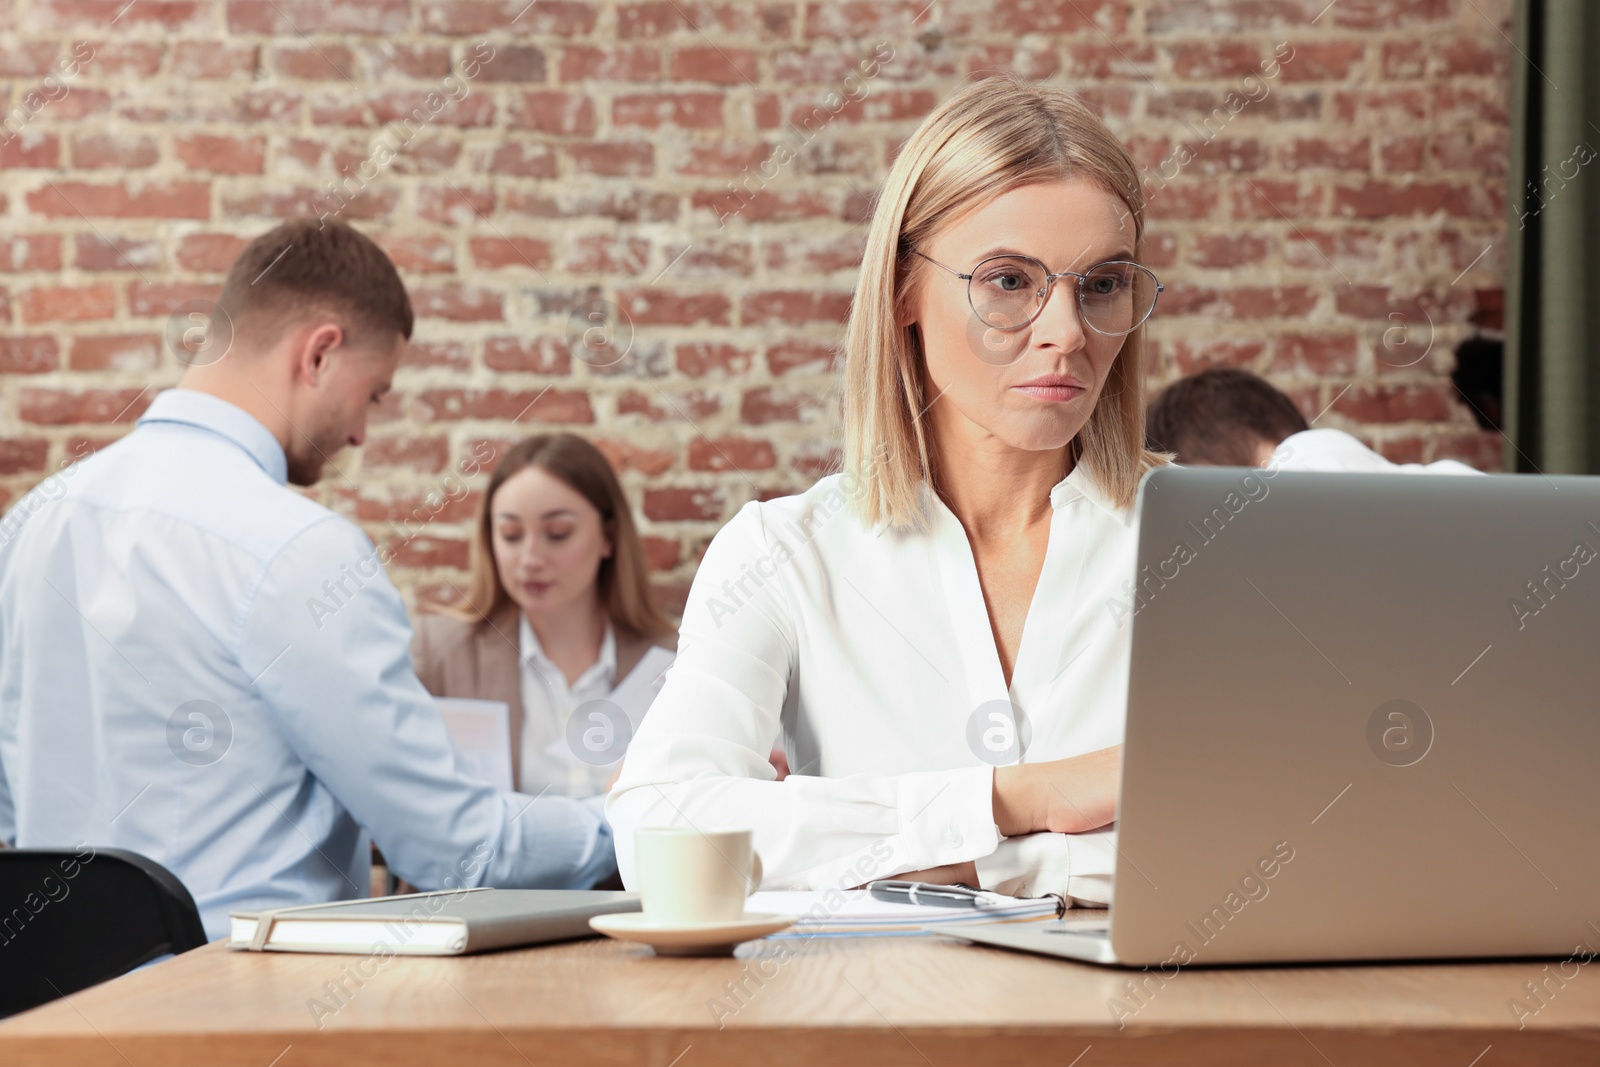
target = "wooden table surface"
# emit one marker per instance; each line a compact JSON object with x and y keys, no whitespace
{"x":882,"y":1001}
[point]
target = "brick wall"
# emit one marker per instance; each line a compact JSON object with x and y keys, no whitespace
{"x":599,"y":234}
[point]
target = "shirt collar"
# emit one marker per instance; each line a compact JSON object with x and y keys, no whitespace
{"x":1082,"y":484}
{"x":531,"y":649}
{"x":193,"y":408}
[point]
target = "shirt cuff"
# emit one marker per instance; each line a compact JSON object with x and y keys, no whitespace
{"x":1077,"y":866}
{"x":947,"y":817}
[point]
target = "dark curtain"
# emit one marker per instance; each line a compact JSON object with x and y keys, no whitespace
{"x":1552,"y":375}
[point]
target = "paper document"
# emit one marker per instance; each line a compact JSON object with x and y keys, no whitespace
{"x":481,"y":730}
{"x":633,"y":695}
{"x":856,"y":913}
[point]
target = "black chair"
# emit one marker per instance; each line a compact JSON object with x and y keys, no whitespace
{"x":72,"y":917}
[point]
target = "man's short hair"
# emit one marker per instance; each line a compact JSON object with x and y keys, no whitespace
{"x":1220,"y":417}
{"x":307,"y":267}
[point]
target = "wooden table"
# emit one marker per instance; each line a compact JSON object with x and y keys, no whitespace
{"x":881,"y":1001}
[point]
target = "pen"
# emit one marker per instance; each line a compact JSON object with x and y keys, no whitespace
{"x":938,"y":896}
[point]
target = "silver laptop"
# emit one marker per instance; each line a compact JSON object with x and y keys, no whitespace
{"x":1363,"y":724}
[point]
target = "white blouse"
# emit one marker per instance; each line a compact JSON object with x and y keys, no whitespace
{"x":870,"y":655}
{"x":548,"y":763}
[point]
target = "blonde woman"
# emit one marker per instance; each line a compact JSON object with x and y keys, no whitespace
{"x":928,"y":631}
{"x":559,"y":612}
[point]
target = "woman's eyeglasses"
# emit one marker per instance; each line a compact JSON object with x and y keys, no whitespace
{"x":1008,"y":292}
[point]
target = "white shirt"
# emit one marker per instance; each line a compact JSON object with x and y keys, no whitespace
{"x":1335,"y":450}
{"x":204,"y":666}
{"x":548,"y":761}
{"x":870,"y":653}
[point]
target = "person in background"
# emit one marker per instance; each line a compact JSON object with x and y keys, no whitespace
{"x":1229,"y":417}
{"x":558,"y":612}
{"x":200,"y":664}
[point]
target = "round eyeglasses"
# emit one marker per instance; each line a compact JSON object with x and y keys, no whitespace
{"x":1008,"y":292}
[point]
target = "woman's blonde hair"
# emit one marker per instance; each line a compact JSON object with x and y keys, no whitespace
{"x":623,"y":578}
{"x":990,"y":137}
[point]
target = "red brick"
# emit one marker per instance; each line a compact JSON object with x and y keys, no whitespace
{"x":620,"y":63}
{"x":170,"y":15}
{"x":625,"y":456}
{"x":1264,"y":198}
{"x":1385,"y":14}
{"x":212,"y":60}
{"x":681,"y":505}
{"x":547,"y":405}
{"x":20,"y":454}
{"x":68,"y":303}
{"x":151,"y":200}
{"x":123,"y":151}
{"x":553,"y":18}
{"x":765,"y":206}
{"x":405,"y":61}
{"x":28,"y":252}
{"x":293,"y":18}
{"x":657,"y":406}
{"x":1190,"y":357}
{"x":1090,"y":17}
{"x":1396,"y":403}
{"x":607,"y":254}
{"x":221,"y":154}
{"x":665,"y":307}
{"x":765,"y":404}
{"x":425,"y":552}
{"x":513,"y":63}
{"x":1327,"y":153}
{"x":731,"y":454}
{"x":522,"y":158}
{"x":423,"y":254}
{"x":554,"y":112}
{"x":408,"y":452}
{"x":163,"y":298}
{"x":801,"y":356}
{"x":28,"y":355}
{"x":458,"y":303}
{"x":526,"y":253}
{"x":419,"y":507}
{"x":328,"y":61}
{"x":1227,"y":250}
{"x":103,"y":251}
{"x":1216,"y":59}
{"x":720,"y":66}
{"x":210,"y":253}
{"x":535,"y":355}
{"x":704,"y":359}
{"x":793,"y":306}
{"x":450,"y":354}
{"x":30,"y":150}
{"x":1376,"y":199}
{"x":654,"y":110}
{"x":622,"y":159}
{"x":1316,"y":355}
{"x":115,"y":352}
{"x":64,"y":407}
{"x":1322,"y":61}
{"x":661,"y":553}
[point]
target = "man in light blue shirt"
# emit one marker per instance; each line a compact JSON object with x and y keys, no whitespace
{"x":171,"y":679}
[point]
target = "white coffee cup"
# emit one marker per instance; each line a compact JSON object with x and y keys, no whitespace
{"x":688,"y":876}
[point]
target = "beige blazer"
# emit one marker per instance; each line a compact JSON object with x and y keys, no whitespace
{"x":455,"y":658}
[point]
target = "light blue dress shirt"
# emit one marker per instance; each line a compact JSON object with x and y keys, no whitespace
{"x":201,"y":665}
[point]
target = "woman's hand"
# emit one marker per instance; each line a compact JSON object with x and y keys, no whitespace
{"x":1069,"y":796}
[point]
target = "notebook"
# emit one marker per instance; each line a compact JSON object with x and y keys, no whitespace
{"x":856,"y":913}
{"x":451,"y":922}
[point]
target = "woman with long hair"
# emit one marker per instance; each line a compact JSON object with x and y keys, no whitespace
{"x":558,"y":612}
{"x":929,"y":627}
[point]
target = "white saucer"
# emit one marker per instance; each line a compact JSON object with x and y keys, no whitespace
{"x":690,"y":939}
